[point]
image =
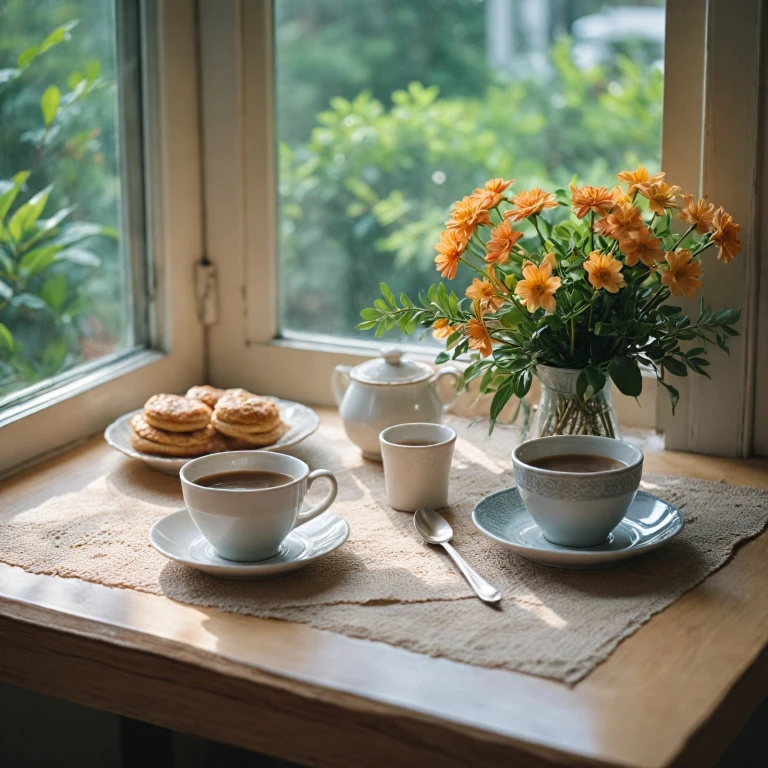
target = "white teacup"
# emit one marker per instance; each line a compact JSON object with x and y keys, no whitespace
{"x":577,"y":509}
{"x":249,"y":524}
{"x":416,"y":476}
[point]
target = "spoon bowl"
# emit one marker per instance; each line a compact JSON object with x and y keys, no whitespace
{"x":431,"y":526}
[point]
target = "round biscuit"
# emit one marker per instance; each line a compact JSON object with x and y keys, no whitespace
{"x":182,"y":440}
{"x":247,"y":437}
{"x":258,"y":414}
{"x":174,"y":413}
{"x":205,"y":393}
{"x":158,"y":449}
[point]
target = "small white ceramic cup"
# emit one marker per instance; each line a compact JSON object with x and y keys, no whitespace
{"x":249,"y":524}
{"x":577,"y":509}
{"x":417,"y":475}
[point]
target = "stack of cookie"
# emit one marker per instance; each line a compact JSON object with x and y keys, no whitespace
{"x":247,"y":420}
{"x":172,"y":425}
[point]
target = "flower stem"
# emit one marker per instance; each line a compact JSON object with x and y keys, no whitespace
{"x":538,"y":232}
{"x":683,"y":236}
{"x":651,"y":300}
{"x":573,"y":334}
{"x":591,"y":231}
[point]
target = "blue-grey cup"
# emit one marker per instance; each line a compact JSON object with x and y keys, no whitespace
{"x":577,"y":509}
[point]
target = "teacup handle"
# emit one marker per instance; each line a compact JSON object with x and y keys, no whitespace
{"x":318,"y":509}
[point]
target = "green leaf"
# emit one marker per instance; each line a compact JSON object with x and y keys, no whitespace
{"x":596,"y":378}
{"x":54,"y":291}
{"x":523,"y":384}
{"x":26,"y":57}
{"x":35,"y":261}
{"x":54,"y":354}
{"x":582,"y":384}
{"x":500,"y":399}
{"x":674,"y":366}
{"x":59,"y":35}
{"x":9,"y":190}
{"x":674,"y":395}
{"x":29,"y":301}
{"x":49,"y":104}
{"x":6,"y":292}
{"x":625,"y":373}
{"x":6,"y":337}
{"x":365,"y":326}
{"x":443,"y":357}
{"x":387,"y":294}
{"x":26,"y":215}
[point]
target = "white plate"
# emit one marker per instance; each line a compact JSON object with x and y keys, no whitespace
{"x":301,"y":421}
{"x":649,"y":523}
{"x":176,"y":537}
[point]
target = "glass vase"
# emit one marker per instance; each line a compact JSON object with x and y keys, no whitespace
{"x":562,"y":412}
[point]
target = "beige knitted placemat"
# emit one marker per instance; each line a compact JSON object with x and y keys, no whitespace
{"x":385,"y":584}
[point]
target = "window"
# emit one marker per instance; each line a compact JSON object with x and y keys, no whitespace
{"x":72,"y":258}
{"x":387,"y":112}
{"x":99,"y":101}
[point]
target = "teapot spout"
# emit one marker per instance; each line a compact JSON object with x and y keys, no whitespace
{"x":340,"y":382}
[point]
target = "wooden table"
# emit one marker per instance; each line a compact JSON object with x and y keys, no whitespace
{"x":675,"y":693}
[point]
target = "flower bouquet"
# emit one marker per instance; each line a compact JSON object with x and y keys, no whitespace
{"x":575,"y":297}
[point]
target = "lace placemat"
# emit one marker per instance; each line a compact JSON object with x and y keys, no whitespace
{"x":384,"y":583}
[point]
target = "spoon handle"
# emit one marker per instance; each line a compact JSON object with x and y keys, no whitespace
{"x":482,"y":588}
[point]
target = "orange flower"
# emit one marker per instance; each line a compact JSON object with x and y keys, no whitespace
{"x":466,"y":214}
{"x":586,"y":199}
{"x":604,"y":272}
{"x":442,"y":329}
{"x":682,"y":274}
{"x":485,"y":292}
{"x":699,"y":213}
{"x":640,"y":246}
{"x":725,"y":235}
{"x":538,"y":287}
{"x":622,"y":220}
{"x":449,"y":251}
{"x":479,"y":338}
{"x":501,"y":243}
{"x":660,"y":196}
{"x":530,"y":203}
{"x":640,"y":176}
{"x":491,"y":194}
{"x":620,"y":196}
{"x":550,"y":259}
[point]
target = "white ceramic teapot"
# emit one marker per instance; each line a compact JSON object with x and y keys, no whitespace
{"x":385,"y":391}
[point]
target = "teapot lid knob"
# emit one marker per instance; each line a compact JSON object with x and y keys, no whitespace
{"x":392,"y":355}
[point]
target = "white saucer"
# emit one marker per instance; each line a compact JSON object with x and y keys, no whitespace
{"x":649,"y":523}
{"x":301,"y":421}
{"x":178,"y":538}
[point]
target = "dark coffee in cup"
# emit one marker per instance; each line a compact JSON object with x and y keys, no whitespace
{"x":251,"y":479}
{"x":577,"y":462}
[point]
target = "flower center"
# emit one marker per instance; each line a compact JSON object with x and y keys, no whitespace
{"x":604,"y":274}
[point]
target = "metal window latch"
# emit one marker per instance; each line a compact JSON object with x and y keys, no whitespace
{"x":207,"y":292}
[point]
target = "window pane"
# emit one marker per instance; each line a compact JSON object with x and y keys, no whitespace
{"x":388,"y":112}
{"x":65,"y":263}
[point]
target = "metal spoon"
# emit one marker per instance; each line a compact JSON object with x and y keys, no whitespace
{"x":434,"y":529}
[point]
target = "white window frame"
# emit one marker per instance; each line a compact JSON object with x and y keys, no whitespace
{"x":710,"y":143}
{"x":100,"y":393}
{"x":241,"y":215}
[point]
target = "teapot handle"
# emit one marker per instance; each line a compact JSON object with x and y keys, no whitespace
{"x":340,"y":381}
{"x":457,"y":376}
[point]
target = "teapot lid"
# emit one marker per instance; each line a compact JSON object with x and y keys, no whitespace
{"x":391,"y":368}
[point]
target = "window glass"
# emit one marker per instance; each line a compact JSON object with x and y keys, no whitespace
{"x":388,"y":111}
{"x":65,"y":264}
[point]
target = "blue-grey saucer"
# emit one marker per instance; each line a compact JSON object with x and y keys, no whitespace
{"x":649,"y":523}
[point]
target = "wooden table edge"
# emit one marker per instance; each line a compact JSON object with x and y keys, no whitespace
{"x":387,"y":726}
